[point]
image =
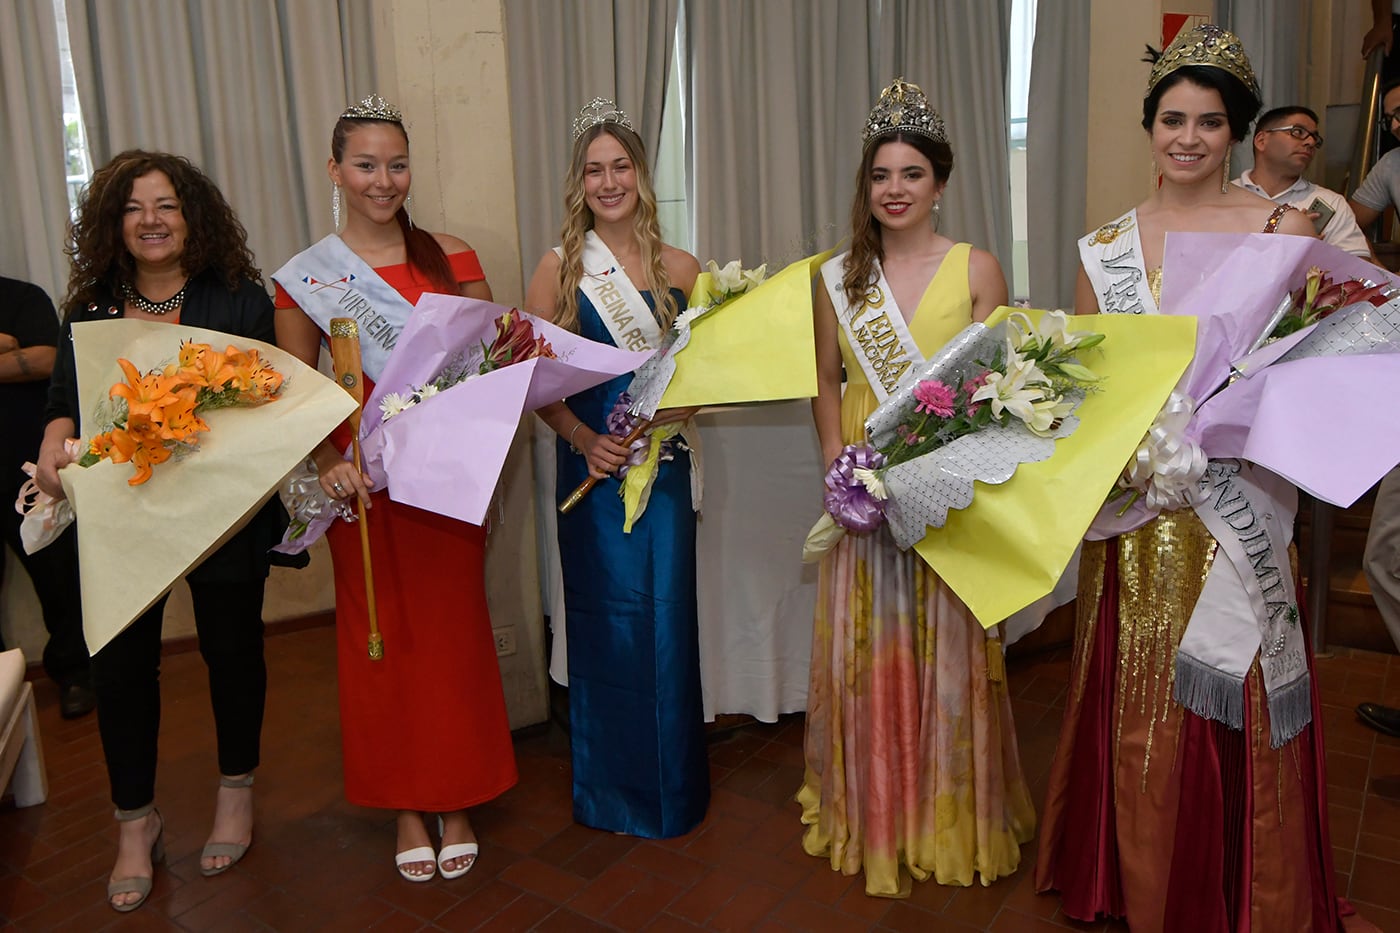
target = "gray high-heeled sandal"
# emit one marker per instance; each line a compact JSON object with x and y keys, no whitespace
{"x":138,"y":885}
{"x":232,"y":850}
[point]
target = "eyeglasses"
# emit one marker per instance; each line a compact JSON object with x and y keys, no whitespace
{"x":1388,"y":119}
{"x":1302,"y":132}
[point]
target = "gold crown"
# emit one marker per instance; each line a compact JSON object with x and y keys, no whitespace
{"x":1210,"y":46}
{"x":373,"y":107}
{"x":904,"y":108}
{"x":596,"y":111}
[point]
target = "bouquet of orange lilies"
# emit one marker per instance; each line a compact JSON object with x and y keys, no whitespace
{"x":156,"y":414}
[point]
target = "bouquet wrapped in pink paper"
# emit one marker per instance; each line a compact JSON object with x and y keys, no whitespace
{"x":1288,"y":395}
{"x":438,"y":426}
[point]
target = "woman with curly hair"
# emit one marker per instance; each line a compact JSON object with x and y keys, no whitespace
{"x":156,"y":241}
{"x":635,"y":713}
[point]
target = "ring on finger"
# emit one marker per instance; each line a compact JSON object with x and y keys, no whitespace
{"x":338,"y":488}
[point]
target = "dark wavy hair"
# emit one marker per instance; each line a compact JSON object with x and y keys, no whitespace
{"x":866,"y":244}
{"x":215,"y":241}
{"x":422,"y":250}
{"x":1240,"y":103}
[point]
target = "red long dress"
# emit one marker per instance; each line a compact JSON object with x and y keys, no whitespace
{"x":425,"y":728}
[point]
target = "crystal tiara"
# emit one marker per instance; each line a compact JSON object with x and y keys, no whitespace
{"x":596,"y":111}
{"x":373,"y":107}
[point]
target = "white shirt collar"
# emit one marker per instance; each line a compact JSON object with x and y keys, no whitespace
{"x":1300,"y":187}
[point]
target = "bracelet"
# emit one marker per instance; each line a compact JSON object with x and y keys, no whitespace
{"x":571,"y":438}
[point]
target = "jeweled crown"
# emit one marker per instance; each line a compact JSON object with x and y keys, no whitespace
{"x":373,"y":107}
{"x":599,"y":110}
{"x":1210,"y":46}
{"x":904,"y":108}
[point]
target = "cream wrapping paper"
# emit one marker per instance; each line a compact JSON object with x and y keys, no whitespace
{"x":136,"y":541}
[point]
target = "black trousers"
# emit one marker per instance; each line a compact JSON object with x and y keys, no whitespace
{"x":126,"y":676}
{"x":54,"y":573}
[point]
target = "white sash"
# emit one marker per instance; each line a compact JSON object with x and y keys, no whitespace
{"x":877,"y":332}
{"x":620,"y":306}
{"x":328,"y":280}
{"x":1112,"y":259}
{"x":1248,"y":606}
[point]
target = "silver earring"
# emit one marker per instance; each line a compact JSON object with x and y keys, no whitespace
{"x":937,"y":215}
{"x":406,"y":202}
{"x":335,"y":205}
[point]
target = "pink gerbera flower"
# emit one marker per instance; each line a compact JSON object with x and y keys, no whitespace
{"x":935,"y":398}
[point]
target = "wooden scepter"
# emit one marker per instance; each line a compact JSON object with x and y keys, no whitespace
{"x":577,"y":495}
{"x":345,"y":355}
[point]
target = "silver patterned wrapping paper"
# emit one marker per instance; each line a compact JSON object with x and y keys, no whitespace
{"x":1367,"y":329}
{"x":923,"y":490}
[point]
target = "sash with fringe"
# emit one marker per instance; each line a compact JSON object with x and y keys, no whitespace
{"x":1112,"y":259}
{"x":876,"y":331}
{"x":1248,"y":606}
{"x":328,"y":280}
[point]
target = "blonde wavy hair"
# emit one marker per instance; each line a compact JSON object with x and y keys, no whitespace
{"x":578,"y":220}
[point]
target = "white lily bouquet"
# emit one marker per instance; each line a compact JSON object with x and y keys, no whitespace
{"x":990,"y":400}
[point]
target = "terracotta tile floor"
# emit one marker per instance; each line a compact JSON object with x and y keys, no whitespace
{"x":321,"y":864}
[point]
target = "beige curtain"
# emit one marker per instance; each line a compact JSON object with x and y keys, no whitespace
{"x":248,"y":91}
{"x":561,"y":54}
{"x":780,"y":92}
{"x":1271,"y":31}
{"x":33,"y":199}
{"x":1057,"y":147}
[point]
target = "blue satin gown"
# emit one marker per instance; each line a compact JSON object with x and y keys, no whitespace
{"x":635,"y":710}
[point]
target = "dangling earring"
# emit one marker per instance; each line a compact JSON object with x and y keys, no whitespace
{"x":335,"y":205}
{"x":1156,"y":175}
{"x":937,"y":216}
{"x":406,"y":202}
{"x":1225,"y":174}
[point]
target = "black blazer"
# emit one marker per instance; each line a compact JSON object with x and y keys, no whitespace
{"x":246,"y":312}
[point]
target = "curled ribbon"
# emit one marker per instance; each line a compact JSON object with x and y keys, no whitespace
{"x":848,"y":499}
{"x":44,"y":516}
{"x":308,"y":503}
{"x":1167,"y":467}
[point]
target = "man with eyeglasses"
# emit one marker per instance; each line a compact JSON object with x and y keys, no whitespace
{"x":1381,"y":187}
{"x":1285,"y":141}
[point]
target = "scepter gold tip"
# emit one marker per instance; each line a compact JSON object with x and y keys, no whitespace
{"x":344,"y":327}
{"x":376,"y":648}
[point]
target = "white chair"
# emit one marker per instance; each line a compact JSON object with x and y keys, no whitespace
{"x":21,"y":752}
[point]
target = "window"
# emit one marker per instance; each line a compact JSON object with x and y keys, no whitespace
{"x":669,"y":179}
{"x":1018,"y":86}
{"x":78,"y":168}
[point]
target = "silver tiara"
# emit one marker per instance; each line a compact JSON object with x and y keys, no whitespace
{"x":373,"y":107}
{"x":596,"y":111}
{"x":904,"y":108}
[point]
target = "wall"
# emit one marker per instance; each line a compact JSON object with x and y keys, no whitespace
{"x":1120,"y":162}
